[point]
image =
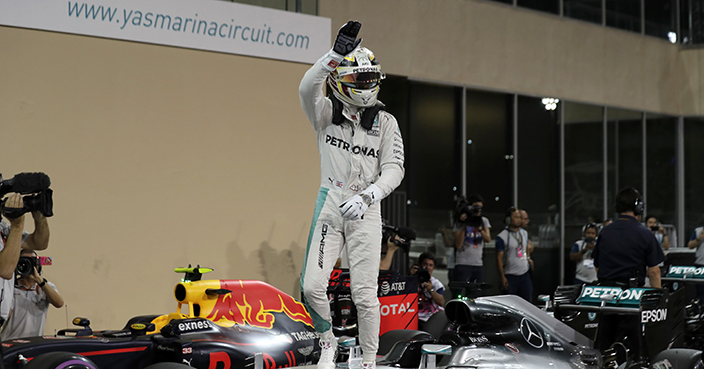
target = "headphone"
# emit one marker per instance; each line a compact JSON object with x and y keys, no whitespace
{"x":507,"y":218}
{"x":590,"y":225}
{"x":639,"y":207}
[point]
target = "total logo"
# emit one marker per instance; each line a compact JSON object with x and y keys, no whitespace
{"x":652,"y":316}
{"x":396,"y":309}
{"x":387,"y":287}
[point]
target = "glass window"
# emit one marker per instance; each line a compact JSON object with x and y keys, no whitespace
{"x":274,"y":4}
{"x":550,"y":6}
{"x":307,"y":6}
{"x":538,"y":162}
{"x":489,"y":172}
{"x":623,"y":14}
{"x":661,"y":179}
{"x":539,"y":187}
{"x":586,"y":10}
{"x":693,"y":177}
{"x":432,"y":161}
{"x":625,"y":152}
{"x":660,"y":19}
{"x":584,"y":166}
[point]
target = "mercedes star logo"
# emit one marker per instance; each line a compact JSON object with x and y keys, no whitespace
{"x":531,"y":333}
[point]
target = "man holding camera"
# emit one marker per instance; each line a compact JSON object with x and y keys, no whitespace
{"x":33,"y":294}
{"x":471,"y":232}
{"x":13,"y":237}
{"x":582,"y":254}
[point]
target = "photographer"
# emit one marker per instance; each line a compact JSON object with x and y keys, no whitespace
{"x":33,"y":294}
{"x":430,"y":289}
{"x":658,"y":231}
{"x":471,"y":232}
{"x":582,"y":255}
{"x":13,"y":237}
{"x":392,"y":239}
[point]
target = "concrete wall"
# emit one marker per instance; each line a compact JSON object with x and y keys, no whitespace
{"x":494,"y":46}
{"x":159,"y":157}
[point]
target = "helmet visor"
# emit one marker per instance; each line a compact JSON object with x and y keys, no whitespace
{"x":362,"y":81}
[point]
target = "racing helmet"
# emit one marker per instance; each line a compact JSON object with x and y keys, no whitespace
{"x":356,"y":79}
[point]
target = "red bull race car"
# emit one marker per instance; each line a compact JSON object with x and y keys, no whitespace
{"x":219,"y":324}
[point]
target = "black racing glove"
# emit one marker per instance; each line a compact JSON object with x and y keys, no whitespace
{"x":346,"y":40}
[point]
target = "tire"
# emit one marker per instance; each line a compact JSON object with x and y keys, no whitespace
{"x":679,"y":358}
{"x":60,"y":360}
{"x":166,"y":365}
{"x":389,"y":339}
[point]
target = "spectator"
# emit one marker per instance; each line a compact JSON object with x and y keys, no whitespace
{"x":430,"y":299}
{"x":524,"y":225}
{"x":471,"y":232}
{"x":582,"y":255}
{"x":695,"y":242}
{"x":33,"y":294}
{"x":512,"y":257}
{"x":658,"y":231}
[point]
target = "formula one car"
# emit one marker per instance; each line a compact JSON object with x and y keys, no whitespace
{"x":508,"y":332}
{"x":646,"y":324}
{"x":681,"y":278}
{"x":229,"y":324}
{"x":495,"y":332}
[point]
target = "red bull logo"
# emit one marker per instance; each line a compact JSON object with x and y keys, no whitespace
{"x":248,"y":302}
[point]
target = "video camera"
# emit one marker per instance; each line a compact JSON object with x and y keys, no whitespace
{"x":405,"y":235}
{"x":472,"y":212}
{"x":26,"y":264}
{"x":36,"y":184}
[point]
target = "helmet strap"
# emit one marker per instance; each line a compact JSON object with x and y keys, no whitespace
{"x":368,"y":115}
{"x":337,"y":107}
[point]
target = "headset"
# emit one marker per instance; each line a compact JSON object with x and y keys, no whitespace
{"x":507,"y":218}
{"x":639,"y":207}
{"x":590,"y":225}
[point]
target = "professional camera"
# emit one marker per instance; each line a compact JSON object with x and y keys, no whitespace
{"x":423,"y":275}
{"x":405,"y":235}
{"x":36,"y":184}
{"x":471,"y":211}
{"x":26,"y":264}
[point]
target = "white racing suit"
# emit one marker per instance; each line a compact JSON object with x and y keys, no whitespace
{"x":351,"y":158}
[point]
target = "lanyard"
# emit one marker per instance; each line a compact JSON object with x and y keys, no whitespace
{"x":519,"y":240}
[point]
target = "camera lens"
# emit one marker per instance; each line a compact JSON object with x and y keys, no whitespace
{"x":24,"y":266}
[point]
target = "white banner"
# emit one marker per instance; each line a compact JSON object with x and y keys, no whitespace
{"x":204,"y":24}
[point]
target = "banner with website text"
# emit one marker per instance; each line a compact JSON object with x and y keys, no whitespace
{"x":205,"y":25}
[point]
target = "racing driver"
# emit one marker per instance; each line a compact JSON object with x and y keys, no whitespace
{"x":361,"y":162}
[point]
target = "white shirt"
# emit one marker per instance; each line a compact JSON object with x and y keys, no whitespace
{"x":28,"y":314}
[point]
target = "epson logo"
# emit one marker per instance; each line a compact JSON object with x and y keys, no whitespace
{"x":194,"y":326}
{"x":652,"y":316}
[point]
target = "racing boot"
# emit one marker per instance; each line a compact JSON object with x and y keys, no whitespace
{"x":328,"y":352}
{"x":369,"y":365}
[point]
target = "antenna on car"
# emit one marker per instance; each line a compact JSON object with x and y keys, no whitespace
{"x":193,"y":274}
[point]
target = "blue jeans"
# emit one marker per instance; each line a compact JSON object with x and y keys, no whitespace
{"x":520,"y":285}
{"x":469,"y":273}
